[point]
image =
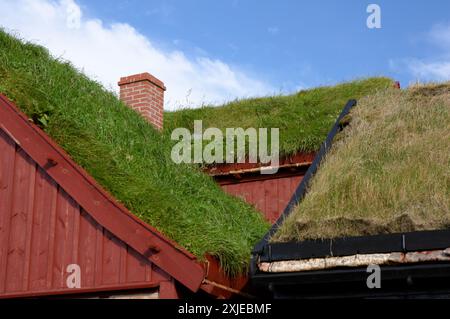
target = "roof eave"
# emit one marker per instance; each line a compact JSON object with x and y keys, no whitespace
{"x":101,"y":206}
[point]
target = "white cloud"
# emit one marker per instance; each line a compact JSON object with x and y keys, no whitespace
{"x":107,"y":52}
{"x":436,"y":68}
{"x":439,"y":70}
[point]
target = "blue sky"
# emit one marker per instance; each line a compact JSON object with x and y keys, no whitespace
{"x":289,"y":43}
{"x":267,"y":46}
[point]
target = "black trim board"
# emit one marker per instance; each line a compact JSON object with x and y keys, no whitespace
{"x":402,"y":242}
{"x":303,"y":186}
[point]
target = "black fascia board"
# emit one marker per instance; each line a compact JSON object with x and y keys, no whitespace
{"x":303,"y":186}
{"x":349,"y":246}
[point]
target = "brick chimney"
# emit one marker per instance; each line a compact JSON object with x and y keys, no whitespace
{"x":145,"y":94}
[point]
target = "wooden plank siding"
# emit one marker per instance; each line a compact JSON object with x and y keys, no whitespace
{"x":270,"y":196}
{"x":54,"y":214}
{"x":43,"y":230}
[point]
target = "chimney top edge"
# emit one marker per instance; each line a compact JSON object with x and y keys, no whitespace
{"x":141,"y":78}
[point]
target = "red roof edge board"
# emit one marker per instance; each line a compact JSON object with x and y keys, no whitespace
{"x":300,"y":159}
{"x":102,"y":207}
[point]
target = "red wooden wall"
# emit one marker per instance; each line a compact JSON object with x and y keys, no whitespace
{"x":270,"y":196}
{"x":43,"y":230}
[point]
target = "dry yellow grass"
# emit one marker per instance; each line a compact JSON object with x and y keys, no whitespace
{"x":388,"y":172}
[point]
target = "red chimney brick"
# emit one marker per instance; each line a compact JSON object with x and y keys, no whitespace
{"x":145,"y":94}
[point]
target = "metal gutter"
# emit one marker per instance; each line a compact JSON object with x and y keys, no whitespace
{"x":349,"y":246}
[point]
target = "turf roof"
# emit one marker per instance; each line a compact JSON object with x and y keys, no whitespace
{"x":304,"y":118}
{"x":388,"y":172}
{"x":127,"y":156}
{"x":132,"y":161}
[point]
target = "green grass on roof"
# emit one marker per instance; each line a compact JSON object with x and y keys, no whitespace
{"x":127,"y":156}
{"x":304,"y":118}
{"x":388,"y":172}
